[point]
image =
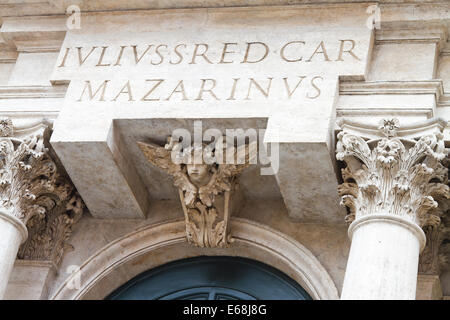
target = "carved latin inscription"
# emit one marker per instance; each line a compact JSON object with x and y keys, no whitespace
{"x":207,"y":53}
{"x":245,"y":62}
{"x":151,"y":90}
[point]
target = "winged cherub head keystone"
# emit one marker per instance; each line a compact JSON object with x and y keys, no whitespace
{"x":201,"y":178}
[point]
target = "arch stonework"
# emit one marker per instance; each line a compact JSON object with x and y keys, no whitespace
{"x":155,"y":245}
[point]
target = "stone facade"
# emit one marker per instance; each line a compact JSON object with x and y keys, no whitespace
{"x":340,"y":181}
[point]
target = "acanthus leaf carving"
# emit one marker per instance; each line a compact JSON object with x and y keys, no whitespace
{"x":391,"y":175}
{"x":49,"y":234}
{"x":33,"y":191}
{"x":26,"y":175}
{"x":435,"y":258}
{"x":204,"y":188}
{"x":6,"y":127}
{"x":429,"y":257}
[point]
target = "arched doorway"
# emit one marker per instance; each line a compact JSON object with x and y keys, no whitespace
{"x":155,"y":245}
{"x":212,"y":278}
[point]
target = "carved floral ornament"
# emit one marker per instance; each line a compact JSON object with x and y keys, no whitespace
{"x":6,"y":127}
{"x":32,"y":190}
{"x":435,"y":257}
{"x":205,"y":187}
{"x":393,"y":175}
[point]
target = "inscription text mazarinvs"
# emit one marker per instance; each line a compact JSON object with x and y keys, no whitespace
{"x":250,"y":85}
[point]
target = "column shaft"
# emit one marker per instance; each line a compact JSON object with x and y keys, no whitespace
{"x":12,"y":233}
{"x":383,"y":259}
{"x":392,"y":184}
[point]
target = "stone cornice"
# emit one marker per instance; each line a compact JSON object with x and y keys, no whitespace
{"x":7,"y":54}
{"x":30,"y":7}
{"x":446,"y":50}
{"x":444,"y":101}
{"x":49,"y":45}
{"x":40,"y":26}
{"x":412,"y":131}
{"x":392,"y":87}
{"x":434,"y":87}
{"x":46,"y":7}
{"x":397,"y":32}
{"x":32,"y":92}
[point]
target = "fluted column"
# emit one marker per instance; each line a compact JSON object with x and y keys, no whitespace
{"x":391,"y":184}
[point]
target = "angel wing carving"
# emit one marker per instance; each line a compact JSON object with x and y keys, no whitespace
{"x":206,"y":223}
{"x":161,"y":158}
{"x":225,"y":174}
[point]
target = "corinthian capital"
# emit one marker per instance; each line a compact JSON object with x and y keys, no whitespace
{"x":33,"y":191}
{"x":27,"y":175}
{"x":393,"y":171}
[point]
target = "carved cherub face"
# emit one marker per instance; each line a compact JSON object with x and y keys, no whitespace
{"x":198,"y":173}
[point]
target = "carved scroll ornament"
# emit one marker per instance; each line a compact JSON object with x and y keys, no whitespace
{"x":393,"y":175}
{"x":204,"y":189}
{"x":32,"y":190}
{"x":435,"y":257}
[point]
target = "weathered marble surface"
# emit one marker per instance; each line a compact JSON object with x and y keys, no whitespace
{"x":286,"y":71}
{"x":407,"y":76}
{"x":429,"y":288}
{"x":328,"y":244}
{"x":30,"y":280}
